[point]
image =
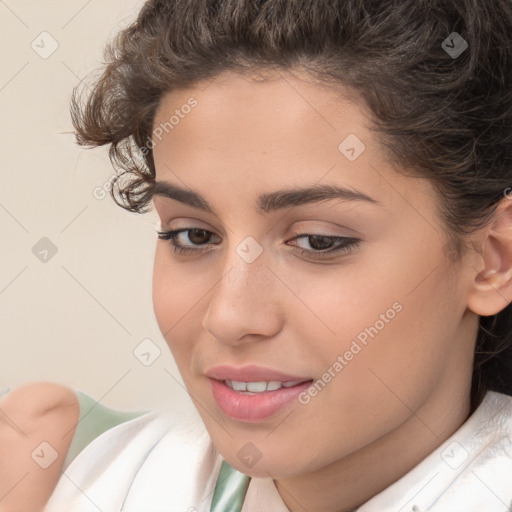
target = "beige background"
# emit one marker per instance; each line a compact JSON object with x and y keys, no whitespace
{"x":76,"y":316}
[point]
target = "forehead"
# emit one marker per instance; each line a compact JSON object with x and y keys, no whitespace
{"x":268,"y":109}
{"x":240,"y":118}
{"x":281,"y":131}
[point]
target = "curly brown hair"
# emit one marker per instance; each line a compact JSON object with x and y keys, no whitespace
{"x":444,"y":117}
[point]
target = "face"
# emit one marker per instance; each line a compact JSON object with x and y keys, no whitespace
{"x":344,"y":303}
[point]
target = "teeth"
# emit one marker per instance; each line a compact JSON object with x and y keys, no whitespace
{"x":273,"y":385}
{"x":291,"y":383}
{"x":259,"y":387}
{"x":256,"y":387}
{"x":238,"y":386}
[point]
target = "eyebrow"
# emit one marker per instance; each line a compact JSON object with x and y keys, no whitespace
{"x":266,"y":202}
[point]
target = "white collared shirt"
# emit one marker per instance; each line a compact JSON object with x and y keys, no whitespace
{"x":158,"y":464}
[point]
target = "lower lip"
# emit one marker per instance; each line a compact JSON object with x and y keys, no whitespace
{"x":257,"y":407}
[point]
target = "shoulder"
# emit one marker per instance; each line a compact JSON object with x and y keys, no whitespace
{"x":495,"y":418}
{"x":122,"y":444}
{"x":141,"y":464}
{"x":469,"y":471}
{"x":481,"y":462}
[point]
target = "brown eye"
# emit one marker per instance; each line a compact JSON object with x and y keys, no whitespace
{"x":196,"y":236}
{"x":319,"y":242}
{"x":323,"y":246}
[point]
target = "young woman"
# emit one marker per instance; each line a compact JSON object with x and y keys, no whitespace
{"x":334,"y":267}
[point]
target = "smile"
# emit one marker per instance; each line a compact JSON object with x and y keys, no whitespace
{"x":254,"y":393}
{"x":259,"y":387}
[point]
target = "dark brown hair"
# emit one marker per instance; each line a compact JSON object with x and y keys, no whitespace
{"x":444,"y":116}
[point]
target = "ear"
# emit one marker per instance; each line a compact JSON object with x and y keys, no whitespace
{"x":491,"y":286}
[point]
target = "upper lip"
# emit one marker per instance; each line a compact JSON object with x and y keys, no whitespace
{"x":252,"y":373}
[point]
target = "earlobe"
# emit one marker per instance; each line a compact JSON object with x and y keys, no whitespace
{"x":491,"y":289}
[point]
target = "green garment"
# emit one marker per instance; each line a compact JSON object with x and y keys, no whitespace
{"x":95,"y":419}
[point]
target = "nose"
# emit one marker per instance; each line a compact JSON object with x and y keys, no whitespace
{"x":245,"y":304}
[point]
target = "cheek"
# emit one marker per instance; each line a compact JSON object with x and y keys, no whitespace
{"x":381,"y":335}
{"x":177,"y":294}
{"x":395,"y":351}
{"x":412,"y":352}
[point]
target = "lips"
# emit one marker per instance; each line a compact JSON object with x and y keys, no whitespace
{"x":254,"y":393}
{"x":252,"y":373}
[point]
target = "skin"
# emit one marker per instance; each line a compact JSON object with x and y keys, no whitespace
{"x":410,"y":386}
{"x":32,"y":414}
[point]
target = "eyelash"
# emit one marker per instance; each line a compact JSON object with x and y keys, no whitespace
{"x":345,"y":246}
